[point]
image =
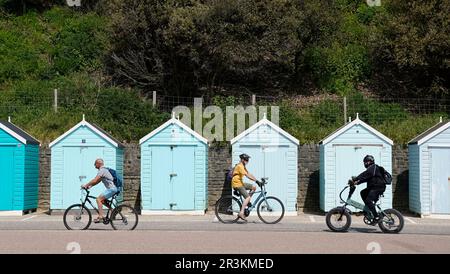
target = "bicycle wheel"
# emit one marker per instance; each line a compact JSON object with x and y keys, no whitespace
{"x":392,"y":221}
{"x":227,"y":209}
{"x":270,"y":210}
{"x":77,"y":217}
{"x":338,"y":219}
{"x":124,"y":217}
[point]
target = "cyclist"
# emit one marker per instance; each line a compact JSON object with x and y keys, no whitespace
{"x":238,"y":184}
{"x":375,"y":185}
{"x":104,"y":176}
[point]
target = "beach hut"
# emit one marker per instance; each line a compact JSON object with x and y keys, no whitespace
{"x":274,"y":154}
{"x":174,"y":170}
{"x":429,"y":171}
{"x":19,"y":166}
{"x":341,"y":157}
{"x":72,"y":162}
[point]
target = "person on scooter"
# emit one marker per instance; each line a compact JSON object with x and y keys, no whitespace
{"x":375,"y":185}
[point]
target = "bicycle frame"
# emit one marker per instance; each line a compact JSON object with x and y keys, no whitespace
{"x":88,"y":197}
{"x":354,"y":203}
{"x":262,"y":195}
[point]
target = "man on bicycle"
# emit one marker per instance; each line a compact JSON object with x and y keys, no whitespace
{"x":238,"y":184}
{"x":375,"y":185}
{"x":104,"y":176}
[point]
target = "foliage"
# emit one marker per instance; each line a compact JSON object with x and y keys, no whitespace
{"x":108,"y":55}
{"x":412,"y":48}
{"x":119,"y":111}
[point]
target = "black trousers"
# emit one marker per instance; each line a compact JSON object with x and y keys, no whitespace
{"x":370,"y":197}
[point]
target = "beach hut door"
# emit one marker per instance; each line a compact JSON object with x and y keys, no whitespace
{"x":440,"y":180}
{"x":6,"y":183}
{"x":79,"y":169}
{"x":349,"y":163}
{"x":173,"y":177}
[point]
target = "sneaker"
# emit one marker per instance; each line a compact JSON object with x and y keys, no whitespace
{"x":98,"y":220}
{"x":242,"y":218}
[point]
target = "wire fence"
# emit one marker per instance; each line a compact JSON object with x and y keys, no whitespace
{"x":420,"y":105}
{"x":326,"y":105}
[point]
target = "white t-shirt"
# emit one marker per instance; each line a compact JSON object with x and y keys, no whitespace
{"x":106,"y":177}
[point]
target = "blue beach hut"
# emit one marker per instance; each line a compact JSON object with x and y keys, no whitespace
{"x":341,"y":155}
{"x":429,"y":171}
{"x":19,"y":166}
{"x":274,"y":154}
{"x":174,"y":170}
{"x":72,"y":162}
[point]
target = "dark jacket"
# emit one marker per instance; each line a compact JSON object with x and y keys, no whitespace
{"x":372,"y":176}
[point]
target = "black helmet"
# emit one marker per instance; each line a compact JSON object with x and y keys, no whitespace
{"x":367,"y":159}
{"x":244,"y":156}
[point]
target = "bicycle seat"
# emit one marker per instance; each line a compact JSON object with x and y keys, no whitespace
{"x":115,"y":195}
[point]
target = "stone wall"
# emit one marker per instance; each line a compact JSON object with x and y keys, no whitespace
{"x":400,"y":183}
{"x":220,"y":160}
{"x":308,"y":176}
{"x":132,"y":175}
{"x":219,"y":163}
{"x":44,"y":177}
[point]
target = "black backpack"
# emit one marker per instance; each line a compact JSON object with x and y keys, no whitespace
{"x":387,"y":177}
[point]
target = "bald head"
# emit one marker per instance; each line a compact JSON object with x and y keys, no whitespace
{"x":98,"y":163}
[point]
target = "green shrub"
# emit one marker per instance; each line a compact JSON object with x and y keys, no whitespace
{"x":57,"y":42}
{"x":119,"y":111}
{"x":338,"y":68}
{"x":79,"y":45}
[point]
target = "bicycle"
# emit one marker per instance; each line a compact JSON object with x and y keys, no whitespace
{"x":79,"y":217}
{"x":228,"y":207}
{"x":387,"y":223}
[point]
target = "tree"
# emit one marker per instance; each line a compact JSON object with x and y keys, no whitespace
{"x":138,"y":52}
{"x":20,"y":7}
{"x":181,"y":46}
{"x":412,"y":49}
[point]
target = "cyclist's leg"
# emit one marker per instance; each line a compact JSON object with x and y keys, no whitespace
{"x":250,"y":187}
{"x":247,"y":198}
{"x":371,"y":199}
{"x":364,"y":194}
{"x":108,"y":193}
{"x":100,"y":200}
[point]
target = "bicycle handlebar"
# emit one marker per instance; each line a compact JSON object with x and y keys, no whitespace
{"x":352,"y":189}
{"x":262,"y":182}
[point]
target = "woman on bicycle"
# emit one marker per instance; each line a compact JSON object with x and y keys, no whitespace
{"x":104,"y":176}
{"x":238,"y":184}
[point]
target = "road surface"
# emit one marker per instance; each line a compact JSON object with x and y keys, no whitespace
{"x":42,"y":233}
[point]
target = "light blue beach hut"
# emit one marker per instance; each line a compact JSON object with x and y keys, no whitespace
{"x":72,"y":162}
{"x":429,"y":171}
{"x":274,"y":154}
{"x":19,"y":166}
{"x":341,"y":157}
{"x":174,"y":170}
